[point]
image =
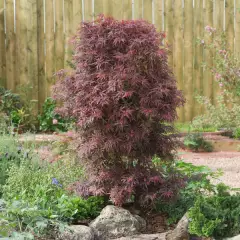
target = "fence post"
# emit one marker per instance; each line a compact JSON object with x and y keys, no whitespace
{"x":2,"y":47}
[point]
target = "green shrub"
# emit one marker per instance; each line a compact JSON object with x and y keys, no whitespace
{"x":187,"y":127}
{"x":224,"y":113}
{"x":11,"y":152}
{"x":38,"y":201}
{"x":198,"y":182}
{"x":20,"y":108}
{"x":49,"y":120}
{"x":23,"y":221}
{"x":9,"y":101}
{"x":196,"y":142}
{"x":45,"y":187}
{"x":32,"y":182}
{"x":236,"y":133}
{"x":216,"y":216}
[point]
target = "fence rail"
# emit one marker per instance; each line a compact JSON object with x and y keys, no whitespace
{"x":34,"y":38}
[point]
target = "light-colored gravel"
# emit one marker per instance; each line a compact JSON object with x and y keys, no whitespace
{"x":229,"y":162}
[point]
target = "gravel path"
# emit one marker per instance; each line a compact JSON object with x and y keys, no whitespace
{"x":229,"y":162}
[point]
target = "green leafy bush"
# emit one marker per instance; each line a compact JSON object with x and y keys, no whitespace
{"x":236,"y":133}
{"x":11,"y":152}
{"x":9,"y":101}
{"x":38,"y":201}
{"x":20,"y":217}
{"x":196,"y":142}
{"x":49,"y":120}
{"x":187,"y":127}
{"x":23,"y":221}
{"x":20,"y":108}
{"x":34,"y":182}
{"x":215,"y":216}
{"x":225,"y":68}
{"x":46,"y":187}
{"x":198,"y":182}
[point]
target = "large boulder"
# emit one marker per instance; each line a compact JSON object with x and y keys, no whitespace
{"x":77,"y":232}
{"x":115,"y":222}
{"x":181,"y":230}
{"x":160,"y":236}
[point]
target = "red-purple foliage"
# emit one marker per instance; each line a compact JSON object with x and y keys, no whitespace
{"x":122,"y":94}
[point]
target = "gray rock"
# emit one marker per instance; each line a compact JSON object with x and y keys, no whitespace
{"x":114,"y":222}
{"x":77,"y":232}
{"x":160,"y":236}
{"x":181,"y":230}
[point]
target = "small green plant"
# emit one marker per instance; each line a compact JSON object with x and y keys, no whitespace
{"x":32,"y":182}
{"x":37,"y":199}
{"x":187,"y":127}
{"x":236,"y":133}
{"x":225,"y":68}
{"x":23,"y":221}
{"x":4,"y":123}
{"x":49,"y":120}
{"x":11,"y":153}
{"x":196,"y":142}
{"x":25,"y":117}
{"x":20,"y":108}
{"x":198,"y":182}
{"x":216,"y":216}
{"x":9,"y":101}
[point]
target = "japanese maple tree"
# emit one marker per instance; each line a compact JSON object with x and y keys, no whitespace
{"x":124,"y":97}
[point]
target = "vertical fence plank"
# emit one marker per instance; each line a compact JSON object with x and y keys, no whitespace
{"x":98,"y":7}
{"x":116,"y":9}
{"x":188,"y":59}
{"x":50,"y":46}
{"x":218,"y":24}
{"x":59,"y":36}
{"x":107,"y":7}
{"x":10,"y":46}
{"x":41,"y":54}
{"x":138,"y":9}
{"x":229,"y":23}
{"x":229,"y":11}
{"x":77,"y":14}
{"x":127,"y":9}
{"x":2,"y":47}
{"x":69,"y":32}
{"x":218,"y":15}
{"x":32,"y":53}
{"x":169,"y":28}
{"x":147,"y":10}
{"x":21,"y":39}
{"x":88,"y":13}
{"x":178,"y":46}
{"x":207,"y":76}
{"x":158,"y":14}
{"x":237,"y":30}
{"x":198,"y":54}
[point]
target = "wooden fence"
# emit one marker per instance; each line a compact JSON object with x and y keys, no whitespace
{"x":34,"y":38}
